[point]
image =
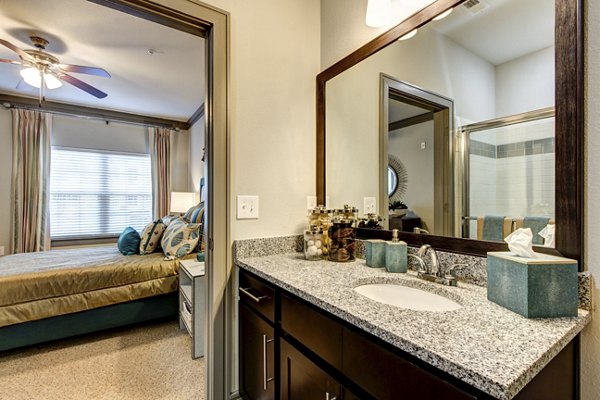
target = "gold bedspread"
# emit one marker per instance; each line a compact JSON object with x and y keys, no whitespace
{"x":45,"y":284}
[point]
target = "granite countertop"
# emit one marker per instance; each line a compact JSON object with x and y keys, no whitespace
{"x":483,"y":344}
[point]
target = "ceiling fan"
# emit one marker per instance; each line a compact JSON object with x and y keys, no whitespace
{"x":43,"y":69}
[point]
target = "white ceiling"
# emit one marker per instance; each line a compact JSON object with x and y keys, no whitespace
{"x":503,"y":30}
{"x":169,"y":84}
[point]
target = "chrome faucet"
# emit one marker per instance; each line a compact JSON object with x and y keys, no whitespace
{"x":432,"y":272}
{"x":433,"y":268}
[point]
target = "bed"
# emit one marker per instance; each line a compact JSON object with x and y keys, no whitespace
{"x":61,"y":293}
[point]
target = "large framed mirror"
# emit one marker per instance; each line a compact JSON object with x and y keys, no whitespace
{"x":483,"y":109}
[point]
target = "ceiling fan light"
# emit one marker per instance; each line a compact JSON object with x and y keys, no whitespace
{"x":379,"y":13}
{"x":32,"y":77}
{"x":409,"y":35}
{"x":52,"y":82}
{"x":444,"y":14}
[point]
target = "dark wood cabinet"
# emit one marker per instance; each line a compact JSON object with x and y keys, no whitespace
{"x":292,"y":350}
{"x":301,"y":379}
{"x":257,"y":356}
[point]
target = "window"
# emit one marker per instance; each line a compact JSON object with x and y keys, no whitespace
{"x":96,"y":194}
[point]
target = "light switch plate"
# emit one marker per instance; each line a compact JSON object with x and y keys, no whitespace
{"x":423,"y":145}
{"x":247,"y":207}
{"x":311,"y":202}
{"x":370,"y":205}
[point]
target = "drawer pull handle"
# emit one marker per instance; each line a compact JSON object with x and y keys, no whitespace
{"x":253,"y":297}
{"x":265,"y":379}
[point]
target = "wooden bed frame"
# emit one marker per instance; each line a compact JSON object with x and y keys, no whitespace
{"x":69,"y":325}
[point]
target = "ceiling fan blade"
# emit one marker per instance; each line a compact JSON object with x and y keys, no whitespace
{"x":84,"y":70}
{"x":4,"y":60}
{"x":82,"y":85}
{"x":17,"y":50}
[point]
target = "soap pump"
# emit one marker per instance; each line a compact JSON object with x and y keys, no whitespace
{"x":396,"y":254}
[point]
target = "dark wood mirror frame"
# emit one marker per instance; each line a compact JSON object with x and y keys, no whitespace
{"x":569,"y":140}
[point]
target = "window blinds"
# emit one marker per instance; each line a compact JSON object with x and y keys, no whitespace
{"x":97,"y":194}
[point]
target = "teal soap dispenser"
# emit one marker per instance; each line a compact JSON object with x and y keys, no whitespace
{"x":396,"y":256}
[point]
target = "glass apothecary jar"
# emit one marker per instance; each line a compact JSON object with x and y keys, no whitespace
{"x":313,"y":244}
{"x":341,"y":240}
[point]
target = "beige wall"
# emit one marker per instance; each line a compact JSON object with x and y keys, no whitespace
{"x":274,"y":61}
{"x":196,"y":163}
{"x":343,"y":28}
{"x":590,"y":346}
{"x":347,"y":39}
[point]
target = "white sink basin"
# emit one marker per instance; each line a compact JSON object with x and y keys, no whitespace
{"x":407,"y":297}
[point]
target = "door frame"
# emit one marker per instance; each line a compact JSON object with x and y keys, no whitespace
{"x":442,"y":109}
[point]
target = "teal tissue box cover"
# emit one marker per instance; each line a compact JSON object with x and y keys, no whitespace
{"x":541,"y":287}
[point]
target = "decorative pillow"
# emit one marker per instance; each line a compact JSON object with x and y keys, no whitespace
{"x":167,"y":219}
{"x":151,"y":236}
{"x":129,"y":242}
{"x":180,"y":239}
{"x":195,"y":214}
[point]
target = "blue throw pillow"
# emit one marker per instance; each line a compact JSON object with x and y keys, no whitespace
{"x":129,"y":242}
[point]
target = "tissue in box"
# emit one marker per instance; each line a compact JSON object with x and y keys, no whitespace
{"x":541,"y":287}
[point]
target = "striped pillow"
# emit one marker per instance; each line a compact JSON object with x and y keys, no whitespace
{"x":195,"y":214}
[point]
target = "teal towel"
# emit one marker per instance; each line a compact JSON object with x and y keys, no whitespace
{"x":493,"y":228}
{"x":536,"y":224}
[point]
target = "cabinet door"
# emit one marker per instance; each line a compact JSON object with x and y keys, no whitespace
{"x":301,"y":379}
{"x":257,"y":349}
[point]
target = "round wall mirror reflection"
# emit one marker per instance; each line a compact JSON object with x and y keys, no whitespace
{"x":397,"y":178}
{"x":392,"y":181}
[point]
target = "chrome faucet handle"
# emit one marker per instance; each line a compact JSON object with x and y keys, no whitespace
{"x":451,"y":269}
{"x":421,"y":263}
{"x":423,"y":250}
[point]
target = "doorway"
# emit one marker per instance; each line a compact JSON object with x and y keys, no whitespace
{"x":213,"y":25}
{"x":416,"y":159}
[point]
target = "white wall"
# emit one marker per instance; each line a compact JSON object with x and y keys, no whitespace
{"x":406,"y":145}
{"x":590,"y":345}
{"x":526,"y":83}
{"x":275,"y":57}
{"x":5,"y":176}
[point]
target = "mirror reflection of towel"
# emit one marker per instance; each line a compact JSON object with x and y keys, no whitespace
{"x":493,"y":228}
{"x":536,"y":224}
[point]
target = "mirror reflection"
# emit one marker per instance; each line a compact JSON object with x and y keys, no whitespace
{"x":466,"y":107}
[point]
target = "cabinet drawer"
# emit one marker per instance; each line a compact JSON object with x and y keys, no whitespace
{"x":257,"y":295}
{"x":313,"y":329}
{"x":388,"y":376}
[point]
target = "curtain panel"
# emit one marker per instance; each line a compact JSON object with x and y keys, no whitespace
{"x":30,"y":217}
{"x":160,"y":154}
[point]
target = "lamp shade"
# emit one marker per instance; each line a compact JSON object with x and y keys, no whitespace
{"x":182,"y":201}
{"x":32,"y":77}
{"x":379,"y":13}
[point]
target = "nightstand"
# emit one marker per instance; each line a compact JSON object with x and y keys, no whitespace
{"x":192,"y":304}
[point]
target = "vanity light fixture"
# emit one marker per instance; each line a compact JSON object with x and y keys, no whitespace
{"x":409,"y":35}
{"x":379,"y":13}
{"x":34,"y":77}
{"x":444,"y":14}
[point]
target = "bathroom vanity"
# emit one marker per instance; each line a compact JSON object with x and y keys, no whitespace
{"x":305,"y":333}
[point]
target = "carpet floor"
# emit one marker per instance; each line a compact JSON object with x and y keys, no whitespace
{"x":146,"y":362}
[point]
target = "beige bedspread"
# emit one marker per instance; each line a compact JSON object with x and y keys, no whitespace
{"x":40,"y":285}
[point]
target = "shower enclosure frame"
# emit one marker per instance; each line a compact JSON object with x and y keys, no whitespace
{"x":465,"y":131}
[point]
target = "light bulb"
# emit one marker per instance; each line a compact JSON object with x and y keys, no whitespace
{"x":52,"y":82}
{"x":32,"y":77}
{"x":379,"y":13}
{"x":409,"y":35}
{"x":444,"y":14}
